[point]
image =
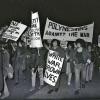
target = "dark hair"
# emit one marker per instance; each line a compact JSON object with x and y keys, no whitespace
{"x":58,"y":42}
{"x":89,"y":44}
{"x":81,"y":41}
{"x":71,"y":44}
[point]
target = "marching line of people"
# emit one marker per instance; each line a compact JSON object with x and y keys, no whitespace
{"x":15,"y":58}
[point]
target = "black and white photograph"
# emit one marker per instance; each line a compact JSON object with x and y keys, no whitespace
{"x":49,"y":49}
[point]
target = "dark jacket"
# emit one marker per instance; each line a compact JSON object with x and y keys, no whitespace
{"x":85,"y":56}
{"x":41,"y":58}
{"x":19,"y":58}
{"x":31,"y":60}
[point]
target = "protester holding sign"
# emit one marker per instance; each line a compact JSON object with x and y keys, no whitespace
{"x":40,"y":65}
{"x":36,"y":42}
{"x":80,"y":60}
{"x":58,"y":52}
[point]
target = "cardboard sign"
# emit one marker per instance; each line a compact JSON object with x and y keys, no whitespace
{"x":26,"y":36}
{"x":36,"y":41}
{"x":99,"y":41}
{"x":14,"y":31}
{"x":53,"y":68}
{"x":54,"y":30}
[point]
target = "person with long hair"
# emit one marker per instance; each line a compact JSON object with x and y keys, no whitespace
{"x":80,"y":60}
{"x":55,"y":46}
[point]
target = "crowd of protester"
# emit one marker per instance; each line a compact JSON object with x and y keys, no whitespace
{"x":80,"y":58}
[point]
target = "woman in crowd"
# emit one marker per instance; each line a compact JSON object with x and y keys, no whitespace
{"x":55,"y":46}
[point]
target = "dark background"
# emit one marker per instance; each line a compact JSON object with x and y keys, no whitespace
{"x":67,"y":12}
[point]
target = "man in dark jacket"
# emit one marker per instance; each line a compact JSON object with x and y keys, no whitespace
{"x":39,"y":66}
{"x":31,"y":62}
{"x":80,"y":59}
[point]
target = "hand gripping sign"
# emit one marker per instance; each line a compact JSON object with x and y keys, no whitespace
{"x":53,"y":68}
{"x":36,"y":41}
{"x":14,"y":31}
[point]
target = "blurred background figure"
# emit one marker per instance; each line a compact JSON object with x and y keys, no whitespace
{"x":90,"y":64}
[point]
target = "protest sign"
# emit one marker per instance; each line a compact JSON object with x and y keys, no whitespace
{"x":99,"y":41}
{"x":26,"y":36}
{"x":14,"y":31}
{"x":54,"y":30}
{"x":36,"y":41}
{"x":53,"y":68}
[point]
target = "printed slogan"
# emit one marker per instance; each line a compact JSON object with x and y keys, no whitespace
{"x":53,"y":68}
{"x":54,"y":30}
{"x":14,"y":31}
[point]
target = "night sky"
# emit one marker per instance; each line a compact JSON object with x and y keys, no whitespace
{"x":66,"y":12}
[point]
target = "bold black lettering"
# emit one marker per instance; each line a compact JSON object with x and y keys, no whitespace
{"x":54,"y":79}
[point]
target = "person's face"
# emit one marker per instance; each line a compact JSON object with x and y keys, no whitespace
{"x":63,"y":44}
{"x":78,"y":45}
{"x":55,"y":44}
